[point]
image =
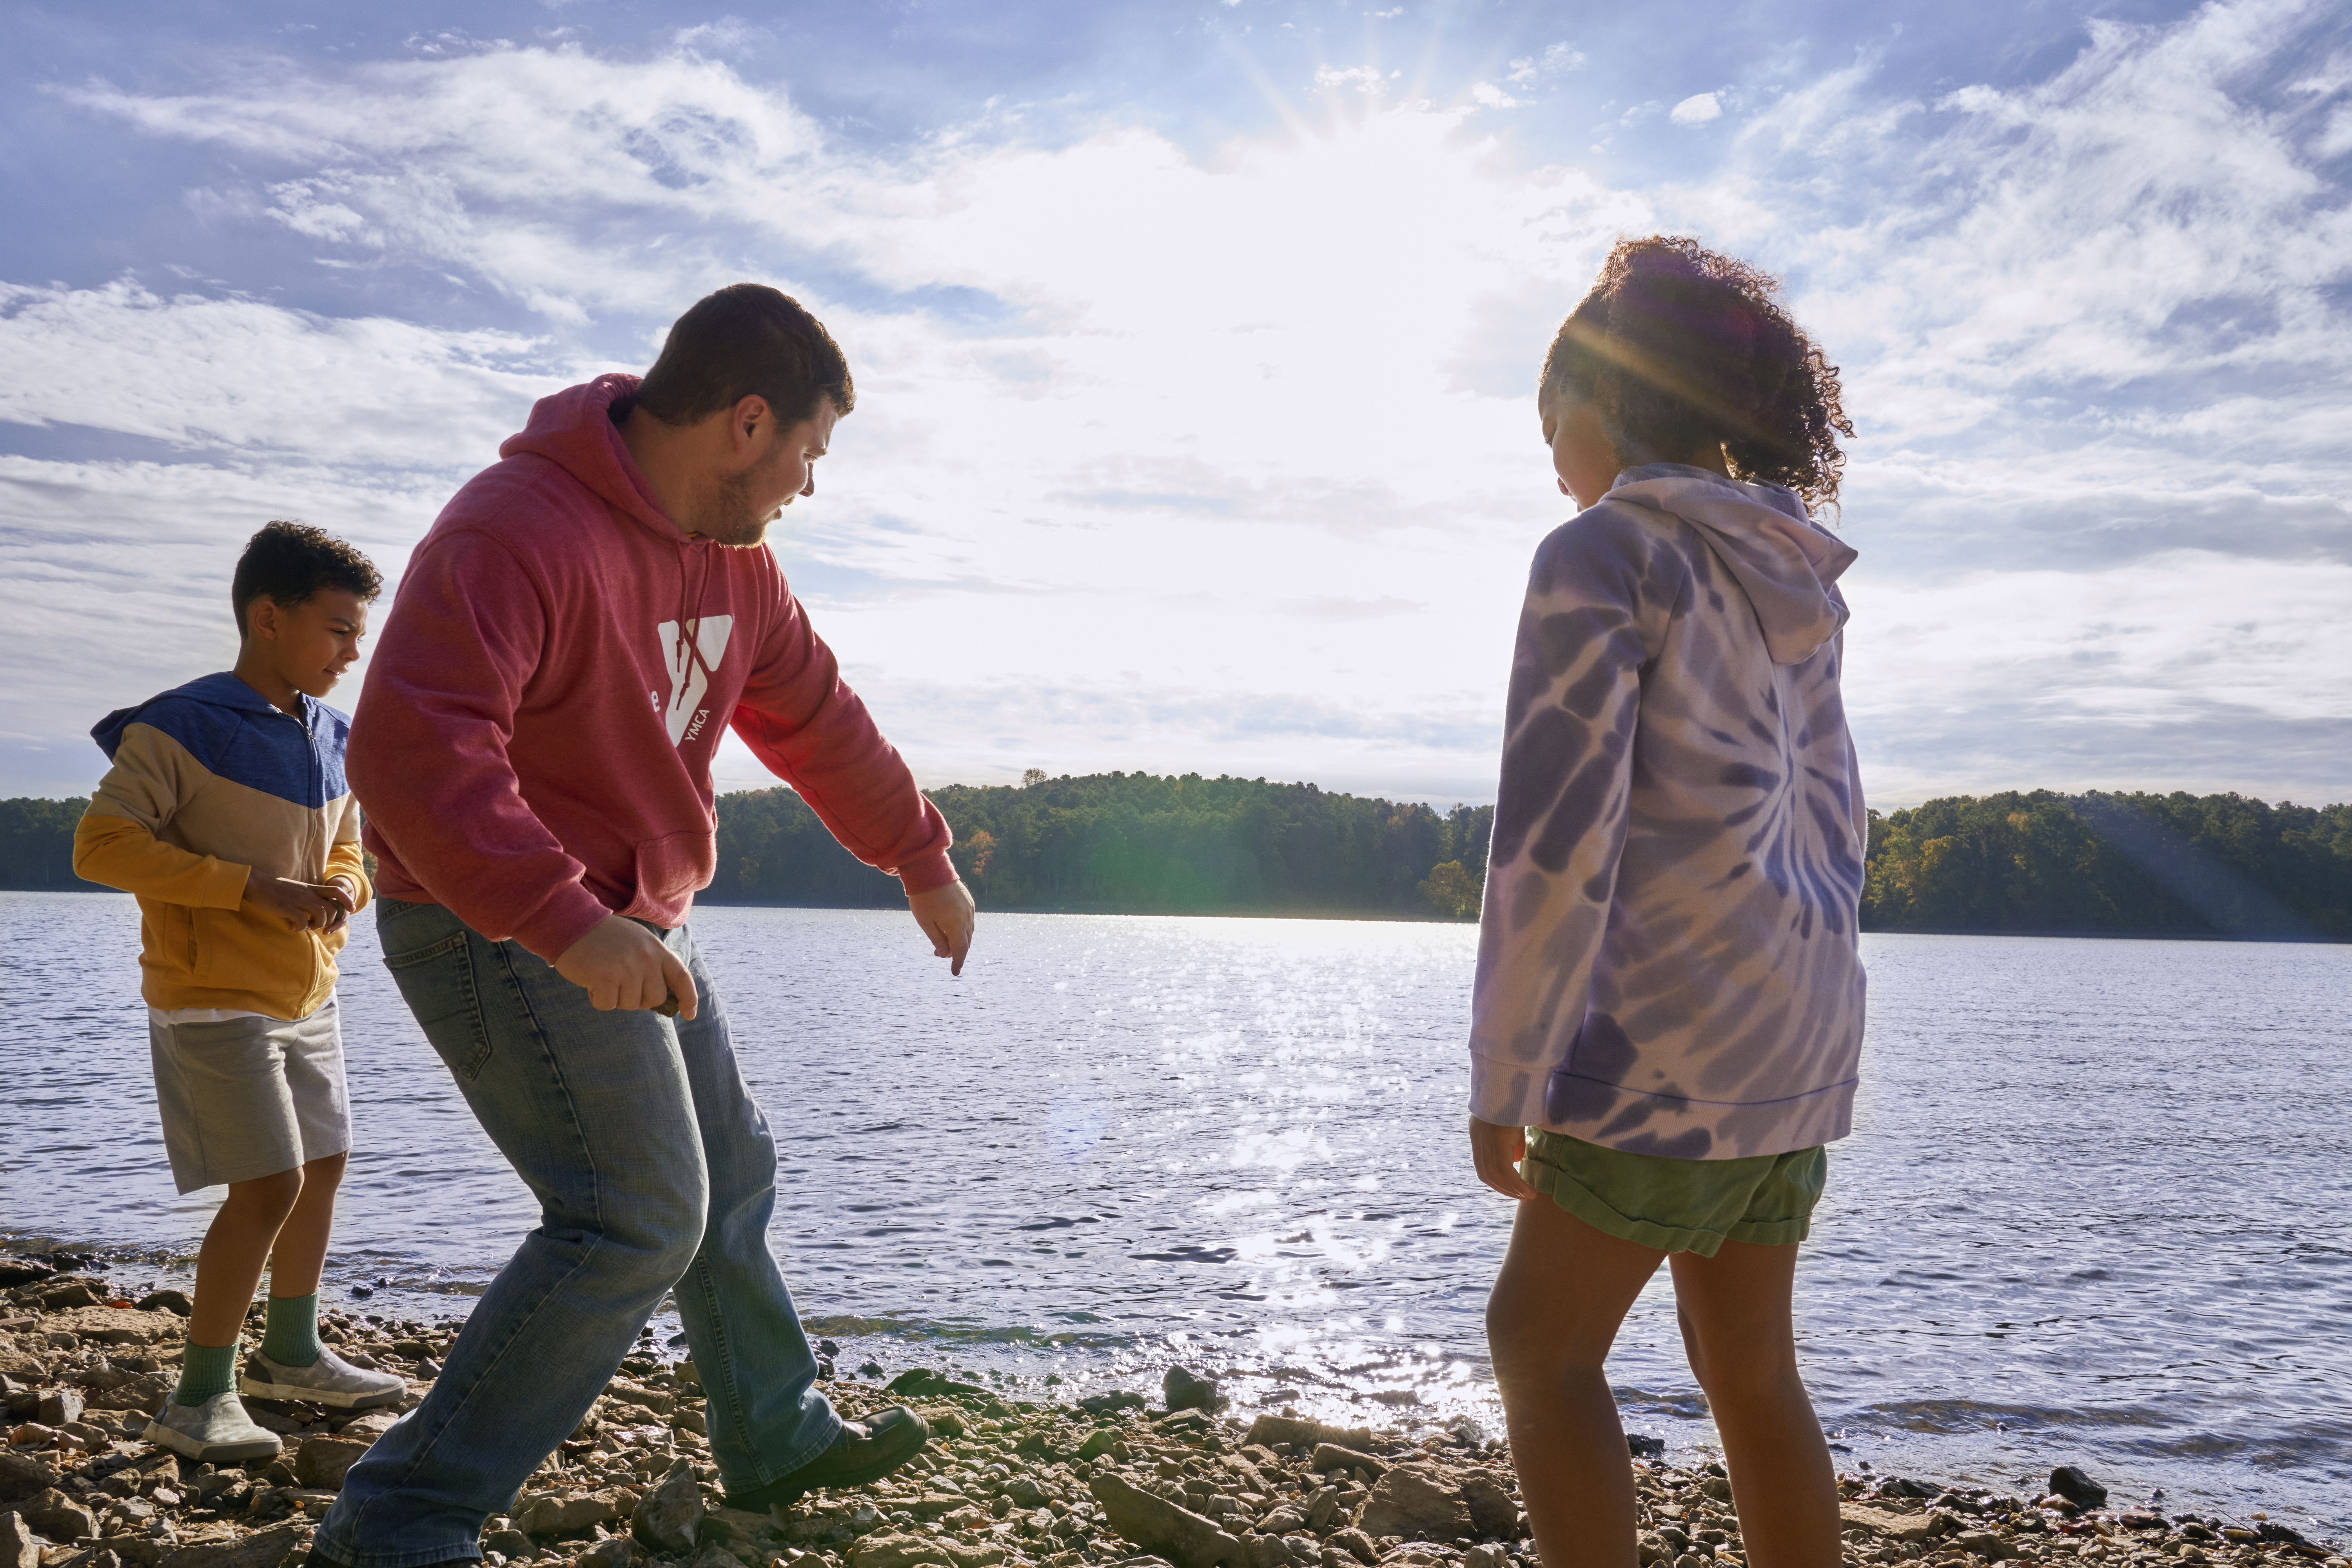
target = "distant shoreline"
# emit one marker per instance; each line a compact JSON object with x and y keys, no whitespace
{"x":1388,"y":917}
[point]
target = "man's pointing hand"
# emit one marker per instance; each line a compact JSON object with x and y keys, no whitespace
{"x":946,"y":915}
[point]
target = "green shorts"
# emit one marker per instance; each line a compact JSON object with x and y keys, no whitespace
{"x":1680,"y":1205}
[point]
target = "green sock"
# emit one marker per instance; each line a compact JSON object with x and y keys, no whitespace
{"x":289,"y":1336}
{"x":206,"y":1371}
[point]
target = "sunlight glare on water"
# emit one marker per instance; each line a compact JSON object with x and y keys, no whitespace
{"x":2094,"y":1210}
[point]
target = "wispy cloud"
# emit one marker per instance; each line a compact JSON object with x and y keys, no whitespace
{"x":1250,"y":431}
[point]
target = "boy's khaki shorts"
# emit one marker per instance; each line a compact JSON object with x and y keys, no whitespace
{"x":249,"y":1097}
{"x":1679,"y":1206}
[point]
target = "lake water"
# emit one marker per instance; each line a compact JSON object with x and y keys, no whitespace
{"x":2094,"y":1209}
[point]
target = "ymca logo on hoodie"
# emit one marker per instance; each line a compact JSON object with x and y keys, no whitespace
{"x":694,"y":654}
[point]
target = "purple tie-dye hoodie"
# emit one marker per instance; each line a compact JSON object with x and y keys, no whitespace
{"x":1667,"y":959}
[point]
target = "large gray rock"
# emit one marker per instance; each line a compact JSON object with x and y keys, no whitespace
{"x":322,"y":1462}
{"x":2069,"y":1481}
{"x":1494,"y":1512}
{"x":144,"y":1392}
{"x":1356,"y":1544}
{"x":553,"y":1513}
{"x":1272,"y":1429}
{"x":1332,"y":1457}
{"x":18,"y":1546}
{"x":1185,"y":1389}
{"x":896,"y":1550}
{"x":262,"y":1549}
{"x":1267,"y":1551}
{"x":667,"y":1517}
{"x":1418,"y":1502}
{"x":24,"y":1476}
{"x":1159,"y":1526}
{"x":58,"y":1516}
{"x":613,"y":1551}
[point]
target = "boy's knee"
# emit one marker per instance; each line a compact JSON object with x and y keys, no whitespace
{"x":274,"y":1194}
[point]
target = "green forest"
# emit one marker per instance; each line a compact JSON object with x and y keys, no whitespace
{"x":1138,"y":844}
{"x":2177,"y":864}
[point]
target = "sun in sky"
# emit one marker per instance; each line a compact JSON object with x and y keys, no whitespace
{"x":1196,"y":346}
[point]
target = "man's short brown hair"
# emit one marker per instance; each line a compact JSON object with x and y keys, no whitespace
{"x":744,"y":340}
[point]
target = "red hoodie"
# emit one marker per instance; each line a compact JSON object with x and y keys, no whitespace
{"x":533,"y":743}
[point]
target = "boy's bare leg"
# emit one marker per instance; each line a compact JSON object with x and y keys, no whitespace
{"x":1564,"y":1290}
{"x":229,"y":1264}
{"x":300,"y":1254}
{"x":1734,"y":1313}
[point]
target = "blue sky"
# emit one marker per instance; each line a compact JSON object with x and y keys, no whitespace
{"x":1196,"y":343}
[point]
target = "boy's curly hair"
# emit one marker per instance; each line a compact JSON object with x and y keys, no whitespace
{"x":285,"y":563}
{"x":1678,"y":346}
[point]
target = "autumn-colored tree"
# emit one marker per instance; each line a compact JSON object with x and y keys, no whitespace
{"x":971,"y":856}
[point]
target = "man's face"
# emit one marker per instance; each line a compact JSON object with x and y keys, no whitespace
{"x":309,"y":645}
{"x":785,"y":469}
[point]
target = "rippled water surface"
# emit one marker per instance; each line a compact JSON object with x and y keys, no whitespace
{"x":2094,"y":1209}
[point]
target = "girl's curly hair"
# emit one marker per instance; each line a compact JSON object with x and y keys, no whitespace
{"x":1678,"y":346}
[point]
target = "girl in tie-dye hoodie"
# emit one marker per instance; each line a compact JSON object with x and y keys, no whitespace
{"x":1669,"y":1009}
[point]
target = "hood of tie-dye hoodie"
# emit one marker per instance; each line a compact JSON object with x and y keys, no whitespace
{"x":1788,"y":565}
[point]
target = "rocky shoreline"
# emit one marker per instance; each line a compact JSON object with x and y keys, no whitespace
{"x":1004,"y":1483}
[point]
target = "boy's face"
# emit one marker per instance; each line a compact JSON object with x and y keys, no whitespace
{"x":1581,"y":453}
{"x":307,"y":646}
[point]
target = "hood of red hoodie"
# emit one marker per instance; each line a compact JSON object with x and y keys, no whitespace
{"x":576,"y":429}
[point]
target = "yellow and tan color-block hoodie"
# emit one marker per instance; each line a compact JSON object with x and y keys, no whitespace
{"x":209,"y":784}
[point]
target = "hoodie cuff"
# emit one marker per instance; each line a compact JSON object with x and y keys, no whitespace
{"x":1504,"y":1093}
{"x":571,"y":913}
{"x":926,"y":872}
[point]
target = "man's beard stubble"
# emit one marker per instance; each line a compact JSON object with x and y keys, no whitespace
{"x":734,"y":516}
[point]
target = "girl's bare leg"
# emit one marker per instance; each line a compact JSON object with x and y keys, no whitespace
{"x":1564,"y":1290}
{"x":1734,"y":1313}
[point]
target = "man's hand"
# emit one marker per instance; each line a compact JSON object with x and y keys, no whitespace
{"x":303,"y":906}
{"x":946,"y":915}
{"x":621,"y":964}
{"x":1496,"y":1151}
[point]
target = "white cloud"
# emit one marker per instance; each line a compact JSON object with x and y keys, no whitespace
{"x":1695,"y":110}
{"x":1363,"y":79}
{"x":1176,"y":461}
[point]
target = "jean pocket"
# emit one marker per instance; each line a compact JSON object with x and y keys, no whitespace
{"x":438,"y":982}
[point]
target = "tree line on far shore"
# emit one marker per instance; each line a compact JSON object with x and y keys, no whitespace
{"x":2096,"y":863}
{"x":1137,"y":844}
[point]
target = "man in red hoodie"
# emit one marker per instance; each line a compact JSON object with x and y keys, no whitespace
{"x":533,"y":749}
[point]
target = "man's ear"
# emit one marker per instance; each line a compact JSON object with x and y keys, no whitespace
{"x":749,"y":425}
{"x":263,"y":619}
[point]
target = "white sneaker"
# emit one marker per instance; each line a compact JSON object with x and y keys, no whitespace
{"x":217,"y":1432}
{"x":329,"y":1380}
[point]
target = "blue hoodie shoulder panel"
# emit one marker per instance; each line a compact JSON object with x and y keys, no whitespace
{"x":233,"y":733}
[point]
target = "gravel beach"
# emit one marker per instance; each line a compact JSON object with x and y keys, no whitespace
{"x":1004,"y":1482}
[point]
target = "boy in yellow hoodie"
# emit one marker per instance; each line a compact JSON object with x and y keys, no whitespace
{"x":225,"y":812}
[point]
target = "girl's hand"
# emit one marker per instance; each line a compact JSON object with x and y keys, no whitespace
{"x":1496,"y":1151}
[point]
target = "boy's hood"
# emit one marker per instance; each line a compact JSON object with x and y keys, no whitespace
{"x":220,"y":690}
{"x":1787,"y":563}
{"x":574,"y":430}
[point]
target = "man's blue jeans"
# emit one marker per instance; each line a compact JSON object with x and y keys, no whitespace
{"x":654,"y":1168}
